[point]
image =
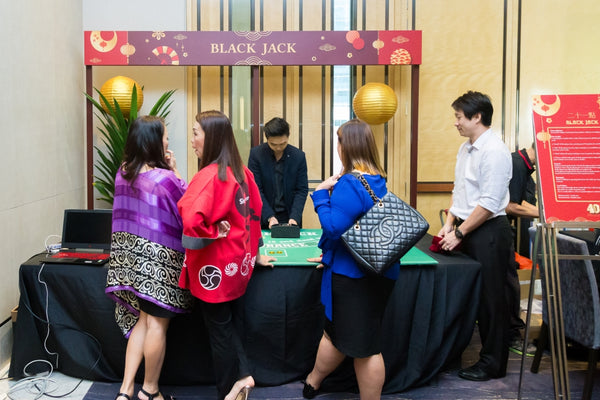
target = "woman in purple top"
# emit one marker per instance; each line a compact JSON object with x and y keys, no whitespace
{"x":146,"y":255}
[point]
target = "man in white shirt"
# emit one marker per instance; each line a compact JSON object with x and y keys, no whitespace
{"x":477,"y":221}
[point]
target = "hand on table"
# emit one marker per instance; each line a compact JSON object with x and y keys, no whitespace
{"x":316,"y":260}
{"x":265,"y":261}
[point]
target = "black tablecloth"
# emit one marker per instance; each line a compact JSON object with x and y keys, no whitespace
{"x":429,"y":322}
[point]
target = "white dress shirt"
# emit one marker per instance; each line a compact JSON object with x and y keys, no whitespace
{"x":481,"y":176}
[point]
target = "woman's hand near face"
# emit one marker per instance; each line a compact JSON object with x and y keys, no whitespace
{"x":170,"y":159}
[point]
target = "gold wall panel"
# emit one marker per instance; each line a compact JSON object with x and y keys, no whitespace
{"x":462,"y":50}
{"x":399,"y":138}
{"x":393,"y":139}
{"x":272,"y":83}
{"x":213,"y":13}
{"x":316,"y":124}
{"x":272,"y":15}
{"x":430,"y":205}
{"x":559,"y":53}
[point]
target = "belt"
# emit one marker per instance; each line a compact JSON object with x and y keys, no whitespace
{"x":458,"y":221}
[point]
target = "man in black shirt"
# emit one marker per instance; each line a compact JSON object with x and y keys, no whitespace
{"x":522,"y":196}
{"x":281,"y":175}
{"x":521,"y":209}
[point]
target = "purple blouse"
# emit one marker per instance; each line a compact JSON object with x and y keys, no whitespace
{"x":149,"y":208}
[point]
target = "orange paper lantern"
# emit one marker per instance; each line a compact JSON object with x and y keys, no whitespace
{"x":119,"y":88}
{"x":375,"y":103}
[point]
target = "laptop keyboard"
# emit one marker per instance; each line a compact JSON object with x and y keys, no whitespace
{"x":89,"y":256}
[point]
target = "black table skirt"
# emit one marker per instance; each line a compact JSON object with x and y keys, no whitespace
{"x":428,"y":323}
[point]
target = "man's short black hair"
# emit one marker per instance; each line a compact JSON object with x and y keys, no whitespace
{"x":277,"y":127}
{"x":472,"y":103}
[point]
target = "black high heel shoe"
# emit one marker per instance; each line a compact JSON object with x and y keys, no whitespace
{"x":243,"y":394}
{"x":151,"y":396}
{"x":309,"y":392}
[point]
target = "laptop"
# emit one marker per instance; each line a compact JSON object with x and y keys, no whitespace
{"x":85,"y":239}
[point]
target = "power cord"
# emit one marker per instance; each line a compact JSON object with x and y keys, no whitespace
{"x":46,"y":311}
{"x":40,"y":384}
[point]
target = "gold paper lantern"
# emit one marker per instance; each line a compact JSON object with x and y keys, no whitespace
{"x":119,"y":88}
{"x":375,"y":103}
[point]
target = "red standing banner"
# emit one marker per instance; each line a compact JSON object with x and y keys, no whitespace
{"x":567,"y":137}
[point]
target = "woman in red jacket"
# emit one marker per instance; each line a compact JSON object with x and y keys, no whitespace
{"x":221,"y":234}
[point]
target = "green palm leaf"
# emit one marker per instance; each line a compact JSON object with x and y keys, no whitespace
{"x":113,"y":129}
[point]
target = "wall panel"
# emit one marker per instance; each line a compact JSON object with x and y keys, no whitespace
{"x":559,"y":53}
{"x":461,"y":51}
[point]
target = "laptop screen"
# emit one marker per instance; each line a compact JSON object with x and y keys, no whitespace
{"x":87,"y":229}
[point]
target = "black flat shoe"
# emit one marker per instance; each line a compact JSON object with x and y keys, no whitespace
{"x":120,"y":394}
{"x":474,"y":373}
{"x":309,"y":392}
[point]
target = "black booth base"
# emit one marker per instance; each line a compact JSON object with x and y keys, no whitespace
{"x":428,"y":324}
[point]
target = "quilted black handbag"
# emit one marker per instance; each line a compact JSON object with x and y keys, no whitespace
{"x":384,"y":233}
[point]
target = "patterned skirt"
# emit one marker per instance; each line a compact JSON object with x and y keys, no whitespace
{"x":139,"y":268}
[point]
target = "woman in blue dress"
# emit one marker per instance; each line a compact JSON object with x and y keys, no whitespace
{"x":354,"y":302}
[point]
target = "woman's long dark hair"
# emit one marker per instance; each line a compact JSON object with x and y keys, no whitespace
{"x":144,"y":145}
{"x":219,"y":145}
{"x":359,"y":150}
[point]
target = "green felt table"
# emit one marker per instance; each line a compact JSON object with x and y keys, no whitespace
{"x":292,"y":251}
{"x":295,"y":251}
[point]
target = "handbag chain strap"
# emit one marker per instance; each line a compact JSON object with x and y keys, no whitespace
{"x":366,"y":185}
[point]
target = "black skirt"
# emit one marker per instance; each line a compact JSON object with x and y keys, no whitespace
{"x":154,"y":310}
{"x":358,"y":308}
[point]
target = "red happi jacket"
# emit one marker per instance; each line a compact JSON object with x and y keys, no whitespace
{"x":218,"y":270}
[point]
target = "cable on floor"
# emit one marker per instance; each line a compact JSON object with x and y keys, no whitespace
{"x":40,"y":384}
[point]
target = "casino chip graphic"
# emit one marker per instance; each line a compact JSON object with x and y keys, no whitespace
{"x":166,"y":55}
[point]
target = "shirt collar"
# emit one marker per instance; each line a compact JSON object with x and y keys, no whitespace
{"x":481,"y":140}
{"x":528,"y":162}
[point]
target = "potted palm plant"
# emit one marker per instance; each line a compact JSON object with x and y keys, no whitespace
{"x":114,"y":128}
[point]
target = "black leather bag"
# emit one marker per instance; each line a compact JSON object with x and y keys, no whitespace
{"x":384,"y":233}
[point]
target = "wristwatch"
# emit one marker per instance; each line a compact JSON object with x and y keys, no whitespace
{"x":458,"y":234}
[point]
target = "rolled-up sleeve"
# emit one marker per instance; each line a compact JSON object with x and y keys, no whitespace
{"x":496,"y":171}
